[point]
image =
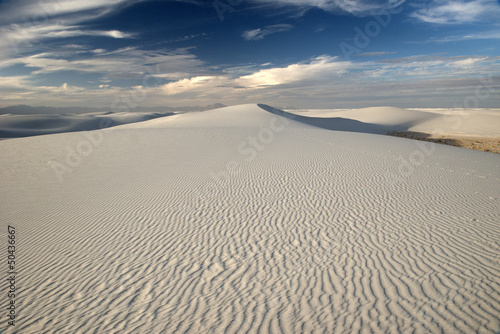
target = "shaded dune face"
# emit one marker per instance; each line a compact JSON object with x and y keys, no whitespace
{"x":240,"y":220}
{"x":329,"y":123}
{"x":43,"y":124}
{"x":17,"y":126}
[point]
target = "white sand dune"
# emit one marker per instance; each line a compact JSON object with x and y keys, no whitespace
{"x":16,"y":126}
{"x":473,"y":122}
{"x":238,"y":220}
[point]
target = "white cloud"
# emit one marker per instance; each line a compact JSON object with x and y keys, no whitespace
{"x":13,"y":84}
{"x":319,"y":79}
{"x":231,"y":84}
{"x":25,"y":23}
{"x":39,"y":11}
{"x":317,"y":69}
{"x":374,"y":54}
{"x":433,"y":67}
{"x":356,"y":7}
{"x":16,"y":37}
{"x":468,"y":63}
{"x":127,"y":63}
{"x":198,"y":84}
{"x":457,"y":12}
{"x":407,"y":82}
{"x":484,"y":35}
{"x":495,"y":34}
{"x":258,"y":34}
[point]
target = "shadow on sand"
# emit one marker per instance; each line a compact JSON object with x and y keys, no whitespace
{"x":335,"y":123}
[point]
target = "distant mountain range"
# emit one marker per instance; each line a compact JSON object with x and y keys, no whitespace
{"x":29,"y":110}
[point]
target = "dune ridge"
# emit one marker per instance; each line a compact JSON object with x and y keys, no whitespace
{"x":241,"y":220}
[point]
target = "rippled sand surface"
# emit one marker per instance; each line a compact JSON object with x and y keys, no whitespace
{"x":238,"y":220}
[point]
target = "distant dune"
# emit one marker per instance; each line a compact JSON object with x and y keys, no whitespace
{"x":477,"y":129}
{"x":248,"y":219}
{"x":15,"y":126}
{"x":478,"y":122}
{"x":30,"y":110}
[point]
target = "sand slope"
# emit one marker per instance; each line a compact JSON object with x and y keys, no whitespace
{"x":239,"y":220}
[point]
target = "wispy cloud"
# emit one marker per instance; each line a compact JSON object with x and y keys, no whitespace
{"x":460,"y":38}
{"x":24,"y":23}
{"x":18,"y":34}
{"x":38,"y":11}
{"x":374,"y":54}
{"x":356,"y":7}
{"x":258,"y":34}
{"x":126,"y":63}
{"x":189,"y":37}
{"x":457,"y":12}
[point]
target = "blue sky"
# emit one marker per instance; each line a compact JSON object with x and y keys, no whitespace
{"x":126,"y":54}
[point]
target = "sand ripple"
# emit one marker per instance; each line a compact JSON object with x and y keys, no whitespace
{"x":308,"y":237}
